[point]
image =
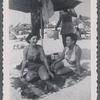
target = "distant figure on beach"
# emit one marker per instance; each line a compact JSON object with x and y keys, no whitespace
{"x":69,"y":61}
{"x":34,"y":57}
{"x":81,"y":27}
{"x":67,"y":25}
{"x":77,"y":31}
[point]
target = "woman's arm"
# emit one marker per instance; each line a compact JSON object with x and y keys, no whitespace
{"x":59,"y":59}
{"x":24,"y":59}
{"x":44,"y":59}
{"x":78,"y":57}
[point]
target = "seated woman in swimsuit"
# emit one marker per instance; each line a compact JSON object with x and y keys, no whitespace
{"x":70,"y":58}
{"x":37,"y":62}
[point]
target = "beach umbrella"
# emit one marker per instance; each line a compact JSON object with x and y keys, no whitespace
{"x":30,"y":6}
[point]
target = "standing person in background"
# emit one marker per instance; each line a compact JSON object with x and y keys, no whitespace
{"x":67,"y":25}
{"x":77,"y":31}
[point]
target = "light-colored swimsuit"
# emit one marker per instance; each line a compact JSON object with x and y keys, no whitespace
{"x":71,"y":57}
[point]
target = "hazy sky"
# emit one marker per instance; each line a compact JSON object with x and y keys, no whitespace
{"x":84,"y":8}
{"x":20,"y":17}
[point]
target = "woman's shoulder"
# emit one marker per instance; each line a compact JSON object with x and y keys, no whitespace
{"x":77,"y":48}
{"x":39,"y":47}
{"x":26,"y":48}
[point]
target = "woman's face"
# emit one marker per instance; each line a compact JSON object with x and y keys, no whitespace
{"x":33,"y":40}
{"x":69,"y":41}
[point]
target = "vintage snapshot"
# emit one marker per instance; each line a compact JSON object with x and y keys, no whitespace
{"x":49,"y":50}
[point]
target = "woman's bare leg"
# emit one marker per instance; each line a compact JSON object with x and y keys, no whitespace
{"x":64,"y":70}
{"x":31,"y":75}
{"x":43,"y":74}
{"x":58,"y":65}
{"x":45,"y":77}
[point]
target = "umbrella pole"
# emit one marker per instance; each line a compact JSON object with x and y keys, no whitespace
{"x":41,"y":24}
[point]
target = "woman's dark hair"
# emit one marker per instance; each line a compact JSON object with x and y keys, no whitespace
{"x":73,"y":36}
{"x":30,"y":35}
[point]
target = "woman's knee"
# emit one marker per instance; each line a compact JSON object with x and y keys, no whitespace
{"x":58,"y":72}
{"x":43,"y":73}
{"x":30,"y":76}
{"x":44,"y":78}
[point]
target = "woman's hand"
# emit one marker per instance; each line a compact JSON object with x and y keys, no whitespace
{"x":52,"y":66}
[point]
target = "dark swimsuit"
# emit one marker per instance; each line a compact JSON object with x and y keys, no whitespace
{"x":67,"y":25}
{"x":34,"y":62}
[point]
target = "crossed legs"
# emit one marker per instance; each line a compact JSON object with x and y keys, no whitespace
{"x":60,"y":69}
{"x":43,"y":75}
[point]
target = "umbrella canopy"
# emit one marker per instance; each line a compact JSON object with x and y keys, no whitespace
{"x":27,"y":5}
{"x":34,"y":6}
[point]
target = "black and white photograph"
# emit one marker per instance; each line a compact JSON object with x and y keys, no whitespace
{"x":49,"y":50}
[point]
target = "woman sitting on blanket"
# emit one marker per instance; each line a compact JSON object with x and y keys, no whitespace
{"x":34,"y":55}
{"x":70,"y":58}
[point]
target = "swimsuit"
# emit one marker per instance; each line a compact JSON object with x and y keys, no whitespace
{"x":71,"y":57}
{"x":34,"y":61}
{"x":67,"y":25}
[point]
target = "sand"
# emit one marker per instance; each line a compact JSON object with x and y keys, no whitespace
{"x":79,"y":91}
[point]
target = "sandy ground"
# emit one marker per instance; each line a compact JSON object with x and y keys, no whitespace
{"x":79,"y":91}
{"x":76,"y":92}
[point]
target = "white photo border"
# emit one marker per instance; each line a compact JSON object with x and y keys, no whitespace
{"x":93,"y":50}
